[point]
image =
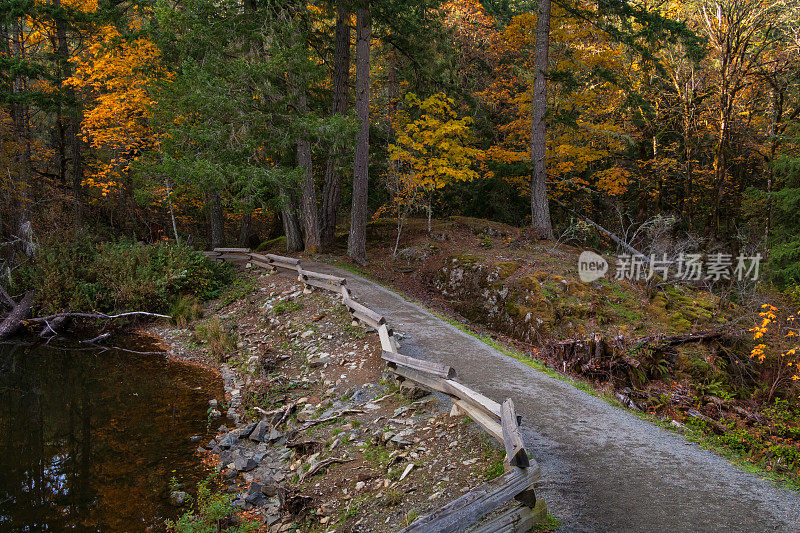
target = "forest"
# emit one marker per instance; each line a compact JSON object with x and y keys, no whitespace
{"x":216,"y":123}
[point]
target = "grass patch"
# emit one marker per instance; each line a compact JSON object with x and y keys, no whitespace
{"x":241,"y":287}
{"x":494,"y":470}
{"x":220,"y":341}
{"x":284,"y":308}
{"x":549,"y":523}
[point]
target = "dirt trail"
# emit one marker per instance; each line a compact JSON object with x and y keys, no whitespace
{"x":603,"y":469}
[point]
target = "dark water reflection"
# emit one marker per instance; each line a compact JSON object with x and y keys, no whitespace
{"x":89,"y":441}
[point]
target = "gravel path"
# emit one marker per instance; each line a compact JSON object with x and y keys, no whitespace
{"x":603,"y":469}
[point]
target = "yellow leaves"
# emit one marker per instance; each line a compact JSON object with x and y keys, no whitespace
{"x":613,"y":181}
{"x":433,"y":149}
{"x":758,"y":351}
{"x":778,"y":330}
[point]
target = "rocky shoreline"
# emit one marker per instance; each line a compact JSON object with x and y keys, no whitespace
{"x":322,"y":437}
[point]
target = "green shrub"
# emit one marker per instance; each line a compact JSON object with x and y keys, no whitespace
{"x":739,"y":440}
{"x":76,"y":273}
{"x":789,"y":454}
{"x":214,"y":510}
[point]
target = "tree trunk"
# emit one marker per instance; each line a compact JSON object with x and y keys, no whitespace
{"x":75,"y":117}
{"x":540,"y":208}
{"x":357,"y":243}
{"x":244,"y":231}
{"x":332,"y":190}
{"x":291,"y":223}
{"x":216,"y":224}
{"x":308,"y":203}
{"x":20,"y":114}
{"x":13,"y":321}
{"x":172,"y":212}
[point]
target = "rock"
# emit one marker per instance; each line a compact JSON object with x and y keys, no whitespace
{"x":306,"y":334}
{"x":406,"y":471}
{"x":178,"y":498}
{"x":214,"y":414}
{"x":195,"y":438}
{"x":316,"y":362}
{"x":274,"y":435}
{"x":270,"y":489}
{"x":212,"y":403}
{"x":403,"y":438}
{"x":254,"y":494}
{"x":410,"y":389}
{"x":260,"y":432}
{"x":244,"y":464}
{"x":306,"y":414}
{"x":230,"y":439}
{"x":360,"y":485}
{"x":229,"y":473}
{"x":245,"y":432}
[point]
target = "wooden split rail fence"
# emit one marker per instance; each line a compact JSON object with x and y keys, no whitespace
{"x":499,"y":420}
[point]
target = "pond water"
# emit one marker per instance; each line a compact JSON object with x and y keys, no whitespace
{"x":90,"y":439}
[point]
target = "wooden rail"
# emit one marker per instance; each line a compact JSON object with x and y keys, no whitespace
{"x":499,"y":420}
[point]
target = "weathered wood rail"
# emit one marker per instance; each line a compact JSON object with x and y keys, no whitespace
{"x":499,"y":420}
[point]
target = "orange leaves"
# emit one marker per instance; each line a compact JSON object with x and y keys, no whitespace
{"x":591,"y":130}
{"x":116,"y":73}
{"x":778,"y":330}
{"x":613,"y":181}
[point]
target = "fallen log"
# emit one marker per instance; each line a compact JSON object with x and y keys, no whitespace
{"x":10,"y":303}
{"x":519,"y":519}
{"x":39,"y":320}
{"x":232,"y":250}
{"x":52,"y":328}
{"x":20,"y":312}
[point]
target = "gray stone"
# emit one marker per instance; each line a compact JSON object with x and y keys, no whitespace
{"x":230,"y":439}
{"x":270,"y":489}
{"x":245,"y":432}
{"x":409,"y":389}
{"x":260,"y":431}
{"x":195,"y":438}
{"x":254,"y":494}
{"x":178,"y":498}
{"x":316,"y":362}
{"x":400,"y":410}
{"x":244,"y":464}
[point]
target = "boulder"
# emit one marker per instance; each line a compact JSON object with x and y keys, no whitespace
{"x":260,"y":431}
{"x":178,"y":498}
{"x":229,"y":440}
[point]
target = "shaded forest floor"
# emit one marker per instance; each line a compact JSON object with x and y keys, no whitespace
{"x":675,"y":353}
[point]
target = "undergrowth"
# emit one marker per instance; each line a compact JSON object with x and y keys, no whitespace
{"x":214,"y":513}
{"x":80,"y":274}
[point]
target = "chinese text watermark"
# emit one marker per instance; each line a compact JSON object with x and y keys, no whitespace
{"x":686,"y":267}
